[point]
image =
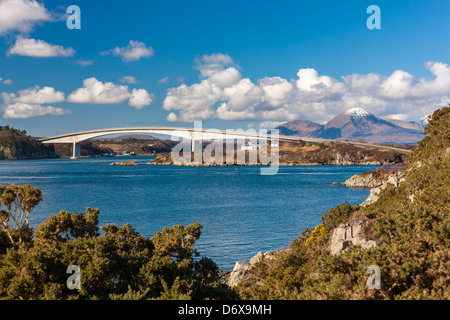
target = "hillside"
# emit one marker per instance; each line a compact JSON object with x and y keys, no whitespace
{"x":17,"y":145}
{"x":325,"y":153}
{"x":405,"y":234}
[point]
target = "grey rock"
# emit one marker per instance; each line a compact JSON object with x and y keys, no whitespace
{"x":349,"y":233}
{"x":395,"y":179}
{"x":366,"y":181}
{"x":239,"y":273}
{"x":241,"y":268}
{"x":257,"y":258}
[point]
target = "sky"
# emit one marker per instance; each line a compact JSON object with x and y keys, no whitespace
{"x":231,"y":64}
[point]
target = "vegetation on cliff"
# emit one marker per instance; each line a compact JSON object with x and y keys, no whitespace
{"x":17,"y":145}
{"x":410,"y":224}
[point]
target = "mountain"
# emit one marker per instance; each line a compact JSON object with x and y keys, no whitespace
{"x":412,"y":125}
{"x":299,"y":127}
{"x":357,"y":124}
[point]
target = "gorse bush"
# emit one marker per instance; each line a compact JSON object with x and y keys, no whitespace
{"x":411,"y":225}
{"x":115,"y":262}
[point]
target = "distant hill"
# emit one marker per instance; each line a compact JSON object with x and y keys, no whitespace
{"x":357,"y":124}
{"x":131,"y":136}
{"x":411,"y":125}
{"x":298,"y":127}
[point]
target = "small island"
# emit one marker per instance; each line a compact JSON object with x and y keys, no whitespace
{"x":125,"y":163}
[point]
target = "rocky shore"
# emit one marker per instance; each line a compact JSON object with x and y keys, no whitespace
{"x":351,"y":233}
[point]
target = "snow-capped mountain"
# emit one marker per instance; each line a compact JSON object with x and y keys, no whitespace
{"x":359,"y":124}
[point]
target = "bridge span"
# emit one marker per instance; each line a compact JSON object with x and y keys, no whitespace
{"x":193,"y":134}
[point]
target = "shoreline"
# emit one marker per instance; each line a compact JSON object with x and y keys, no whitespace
{"x":283,"y":164}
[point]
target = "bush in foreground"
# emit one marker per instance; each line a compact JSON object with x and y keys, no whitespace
{"x":115,"y":262}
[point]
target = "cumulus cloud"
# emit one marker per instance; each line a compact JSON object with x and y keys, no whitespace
{"x":29,"y":103}
{"x":21,"y":15}
{"x":38,"y":95}
{"x":38,"y":48}
{"x":223,"y":93}
{"x":134,"y":51}
{"x":270,"y":124}
{"x":24,"y":110}
{"x":97,"y":92}
{"x":140,"y":98}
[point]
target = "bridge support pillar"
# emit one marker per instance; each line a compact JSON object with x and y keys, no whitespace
{"x":76,"y":153}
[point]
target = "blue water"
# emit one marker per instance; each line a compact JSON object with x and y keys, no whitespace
{"x":242,"y":212}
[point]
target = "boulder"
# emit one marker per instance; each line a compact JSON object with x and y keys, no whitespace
{"x":241,"y":268}
{"x":257,"y":258}
{"x":239,"y":273}
{"x":350,"y":233}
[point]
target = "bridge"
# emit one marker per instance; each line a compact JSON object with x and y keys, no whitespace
{"x":195,"y":135}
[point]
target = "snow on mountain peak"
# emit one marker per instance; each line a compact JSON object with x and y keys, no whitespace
{"x":358,"y":112}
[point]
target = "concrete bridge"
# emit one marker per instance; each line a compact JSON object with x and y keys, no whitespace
{"x":193,"y":134}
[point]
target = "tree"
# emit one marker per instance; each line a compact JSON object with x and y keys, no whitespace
{"x":16,"y":204}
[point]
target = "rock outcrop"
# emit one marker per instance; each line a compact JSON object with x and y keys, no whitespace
{"x":394,"y":179}
{"x":363,"y":181}
{"x":125,"y":163}
{"x":241,"y":268}
{"x":351,"y":233}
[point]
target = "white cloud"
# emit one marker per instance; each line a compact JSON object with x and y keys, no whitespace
{"x":135,"y":50}
{"x":97,"y":92}
{"x":94,"y":91}
{"x":5,"y":81}
{"x":24,"y":110}
{"x":277,"y":90}
{"x":38,"y":48}
{"x":28,"y":103}
{"x":223,"y":93}
{"x":21,"y":15}
{"x":140,"y":98}
{"x":225,"y":78}
{"x":128,"y":79}
{"x":270,"y":124}
{"x":40,"y":96}
{"x":171,"y":117}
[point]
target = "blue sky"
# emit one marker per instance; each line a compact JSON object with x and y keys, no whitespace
{"x":232,"y":64}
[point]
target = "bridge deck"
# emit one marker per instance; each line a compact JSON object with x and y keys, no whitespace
{"x":199,"y":134}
